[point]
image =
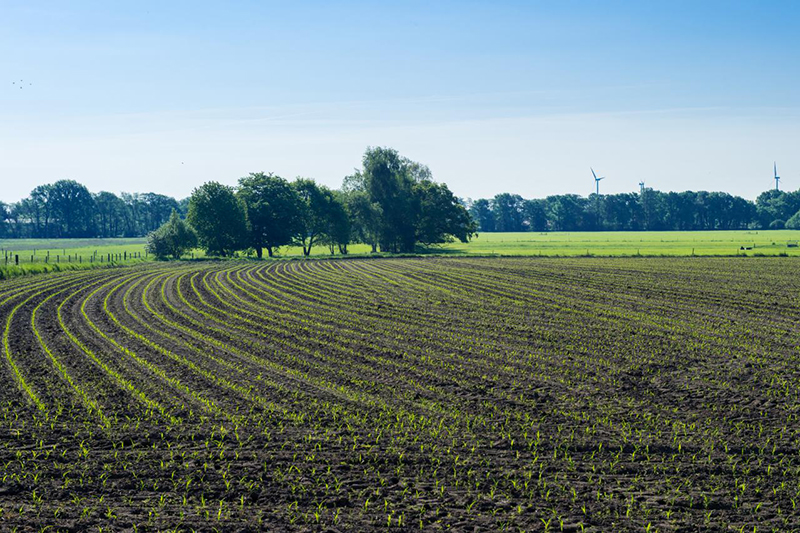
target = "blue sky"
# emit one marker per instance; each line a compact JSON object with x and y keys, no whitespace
{"x":493,"y":96}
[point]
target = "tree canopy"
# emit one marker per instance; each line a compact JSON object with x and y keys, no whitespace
{"x":218,"y":217}
{"x":274,"y":210}
{"x":409,"y":207}
{"x":173,"y":239}
{"x":391,"y":203}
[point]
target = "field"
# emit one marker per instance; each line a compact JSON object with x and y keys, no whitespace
{"x":47,"y":255}
{"x":35,"y":256}
{"x":584,"y":394}
{"x":632,"y":243}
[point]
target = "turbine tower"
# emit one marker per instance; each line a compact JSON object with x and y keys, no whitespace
{"x":775,"y":172}
{"x":641,"y":187}
{"x":596,"y":182}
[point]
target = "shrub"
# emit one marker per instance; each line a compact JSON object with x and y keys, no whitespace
{"x":174,"y":238}
{"x":777,"y":224}
{"x":794,"y":221}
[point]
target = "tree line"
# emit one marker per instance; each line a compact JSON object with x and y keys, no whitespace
{"x":391,"y":203}
{"x":66,"y":209}
{"x":647,"y":210}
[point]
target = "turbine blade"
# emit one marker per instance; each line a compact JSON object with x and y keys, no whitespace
{"x":593,"y":174}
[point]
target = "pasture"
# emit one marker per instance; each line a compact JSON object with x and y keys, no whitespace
{"x":44,"y":255}
{"x":572,"y":394}
{"x":35,"y":256}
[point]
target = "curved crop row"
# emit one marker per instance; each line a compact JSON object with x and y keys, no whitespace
{"x":499,"y":394}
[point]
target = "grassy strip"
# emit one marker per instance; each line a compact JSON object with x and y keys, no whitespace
{"x":8,"y":272}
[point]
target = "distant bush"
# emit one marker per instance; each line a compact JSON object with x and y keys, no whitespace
{"x":794,"y":221}
{"x":777,"y":224}
{"x":173,"y":239}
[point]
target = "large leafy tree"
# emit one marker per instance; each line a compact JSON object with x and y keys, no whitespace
{"x":389,"y":182}
{"x":72,"y":209}
{"x":273,"y":208}
{"x":315,"y":208}
{"x":409,"y":207}
{"x":442,"y":218}
{"x":218,"y":217}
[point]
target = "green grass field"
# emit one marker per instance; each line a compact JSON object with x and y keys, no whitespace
{"x":610,"y":243}
{"x":39,"y":255}
{"x":49,"y":255}
{"x":613,"y":243}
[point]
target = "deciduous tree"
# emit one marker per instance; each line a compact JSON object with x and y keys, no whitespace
{"x":218,"y":217}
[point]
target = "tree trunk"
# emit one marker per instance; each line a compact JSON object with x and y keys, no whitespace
{"x":269,"y":250}
{"x":259,"y":252}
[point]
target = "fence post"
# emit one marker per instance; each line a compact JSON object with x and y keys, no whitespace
{"x":16,"y":259}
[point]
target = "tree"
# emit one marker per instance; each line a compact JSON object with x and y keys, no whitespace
{"x":776,"y":205}
{"x":388,"y":181}
{"x":442,"y":218}
{"x":567,"y":212}
{"x":507,"y":209}
{"x":218,"y":217}
{"x":72,"y":209}
{"x":794,"y":221}
{"x":777,"y":224}
{"x":173,"y":238}
{"x":481,"y":211}
{"x":37,"y":210}
{"x":155,"y":209}
{"x":337,"y":235}
{"x":406,"y":205}
{"x":534,"y":214}
{"x":109,"y":214}
{"x":273,"y":209}
{"x":364,"y":217}
{"x":314,"y":213}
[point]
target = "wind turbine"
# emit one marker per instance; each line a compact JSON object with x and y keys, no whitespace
{"x":775,"y":171}
{"x":641,"y":187}
{"x":596,"y":181}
